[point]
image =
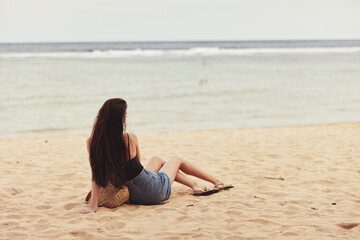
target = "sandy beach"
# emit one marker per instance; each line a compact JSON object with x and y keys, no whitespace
{"x":298,"y":182}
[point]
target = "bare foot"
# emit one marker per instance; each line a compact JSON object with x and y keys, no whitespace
{"x":221,"y":185}
{"x":203,"y":190}
{"x":199,"y":188}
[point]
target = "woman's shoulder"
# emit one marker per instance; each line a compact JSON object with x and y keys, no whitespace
{"x":88,"y":141}
{"x":133,"y":137}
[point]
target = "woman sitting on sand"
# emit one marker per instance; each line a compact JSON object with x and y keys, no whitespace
{"x":115,"y":158}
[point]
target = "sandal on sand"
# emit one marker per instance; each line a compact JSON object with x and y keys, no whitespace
{"x":222,"y":186}
{"x":205,"y":192}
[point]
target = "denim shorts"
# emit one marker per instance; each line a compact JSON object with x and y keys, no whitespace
{"x":149,"y":188}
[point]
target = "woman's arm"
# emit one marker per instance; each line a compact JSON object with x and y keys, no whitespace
{"x":88,"y":141}
{"x":135,"y":139}
{"x":95,"y":189}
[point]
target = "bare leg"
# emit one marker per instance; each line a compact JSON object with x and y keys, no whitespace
{"x":172,"y":167}
{"x":156,"y":163}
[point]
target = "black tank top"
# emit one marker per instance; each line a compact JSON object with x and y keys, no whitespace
{"x":133,"y":167}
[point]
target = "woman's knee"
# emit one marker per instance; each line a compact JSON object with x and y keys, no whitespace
{"x":157,"y":159}
{"x":177,"y":160}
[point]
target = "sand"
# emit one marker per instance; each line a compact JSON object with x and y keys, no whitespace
{"x":298,"y":182}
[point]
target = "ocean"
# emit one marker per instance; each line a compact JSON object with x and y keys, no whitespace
{"x":52,"y":89}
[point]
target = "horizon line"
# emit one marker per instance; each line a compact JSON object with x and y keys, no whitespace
{"x":169,"y":41}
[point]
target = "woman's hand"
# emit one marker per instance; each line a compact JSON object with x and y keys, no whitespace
{"x":85,"y":211}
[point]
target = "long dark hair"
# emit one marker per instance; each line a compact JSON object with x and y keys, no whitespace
{"x":108,"y":151}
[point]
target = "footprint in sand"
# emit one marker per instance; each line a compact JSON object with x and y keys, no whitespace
{"x":74,"y":221}
{"x":70,"y":206}
{"x":181,"y":219}
{"x":347,"y":225}
{"x":43,"y":207}
{"x":79,"y":185}
{"x":273,"y":155}
{"x":290,"y":212}
{"x":114,"y":225}
{"x":263,"y":221}
{"x":66,"y":175}
{"x":290,"y":234}
{"x":14,"y":191}
{"x":326,"y":190}
{"x":107,"y":219}
{"x":10,"y":223}
{"x":81,"y":234}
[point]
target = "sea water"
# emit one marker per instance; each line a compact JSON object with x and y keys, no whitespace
{"x":57,"y":88}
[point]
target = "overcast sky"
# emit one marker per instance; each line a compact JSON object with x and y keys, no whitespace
{"x":147,"y":20}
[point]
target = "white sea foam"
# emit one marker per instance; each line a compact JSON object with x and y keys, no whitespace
{"x":180,"y":52}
